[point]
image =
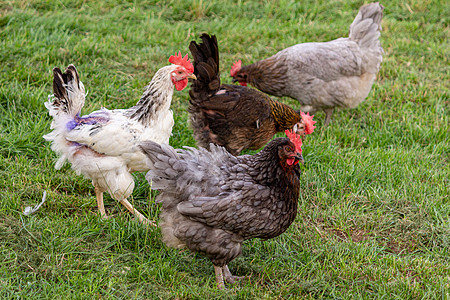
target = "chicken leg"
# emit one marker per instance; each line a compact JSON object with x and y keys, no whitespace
{"x":101,"y":206}
{"x":228,"y":277}
{"x":124,"y":202}
{"x":224,"y":273}
{"x":328,"y":113}
{"x":135,"y":212}
{"x":219,"y":277}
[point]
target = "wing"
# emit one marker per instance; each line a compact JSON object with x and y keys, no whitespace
{"x":219,"y":191}
{"x":235,"y":107}
{"x":107,"y":132}
{"x":326,"y":61}
{"x":240,"y":206}
{"x":211,"y":187}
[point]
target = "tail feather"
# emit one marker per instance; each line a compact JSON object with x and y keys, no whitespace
{"x":65,"y":103}
{"x":185,"y":172}
{"x":365,"y":29}
{"x":164,"y":162}
{"x":68,"y":93}
{"x":206,"y":67}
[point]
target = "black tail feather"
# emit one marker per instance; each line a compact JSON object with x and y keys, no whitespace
{"x":206,"y":67}
{"x":68,"y":91}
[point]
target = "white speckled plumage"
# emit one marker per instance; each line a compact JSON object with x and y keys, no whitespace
{"x":103,"y":145}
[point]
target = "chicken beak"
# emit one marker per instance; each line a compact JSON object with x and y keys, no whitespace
{"x":192,"y":76}
{"x":235,"y":80}
{"x":299,"y":157}
{"x":300,"y":130}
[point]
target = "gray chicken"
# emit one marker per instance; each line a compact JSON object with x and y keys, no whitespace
{"x":213,"y":201}
{"x":322,"y":76}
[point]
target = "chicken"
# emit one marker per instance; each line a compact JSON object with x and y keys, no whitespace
{"x":233,"y":116}
{"x":103,"y":146}
{"x":322,"y":76}
{"x":213,"y":201}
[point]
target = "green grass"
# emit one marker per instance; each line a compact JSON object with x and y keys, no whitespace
{"x":374,"y":211}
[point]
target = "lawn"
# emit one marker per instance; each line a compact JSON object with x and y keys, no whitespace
{"x":374,"y":210}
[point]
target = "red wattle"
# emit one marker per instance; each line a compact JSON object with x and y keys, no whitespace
{"x":180,"y":85}
{"x":290,"y":161}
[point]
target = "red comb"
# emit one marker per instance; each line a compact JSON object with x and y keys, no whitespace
{"x":182,"y":61}
{"x":309,"y":123}
{"x":235,"y":68}
{"x":295,"y":139}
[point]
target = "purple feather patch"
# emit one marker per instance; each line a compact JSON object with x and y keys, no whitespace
{"x":91,"y":119}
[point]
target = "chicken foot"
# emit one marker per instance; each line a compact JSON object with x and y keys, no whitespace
{"x":135,"y":212}
{"x":230,"y":278}
{"x":224,"y":273}
{"x":124,"y":202}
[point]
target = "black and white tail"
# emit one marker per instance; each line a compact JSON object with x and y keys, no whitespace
{"x":63,"y":105}
{"x":365,"y":29}
{"x":68,"y":93}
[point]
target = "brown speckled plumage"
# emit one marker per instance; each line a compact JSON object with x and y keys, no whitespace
{"x":232,"y":116}
{"x":213,"y":201}
{"x":273,"y":69}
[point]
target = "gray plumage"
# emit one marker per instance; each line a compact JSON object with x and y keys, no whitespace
{"x":321,"y":76}
{"x":213,"y":201}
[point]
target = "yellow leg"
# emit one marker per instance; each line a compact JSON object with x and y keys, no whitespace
{"x":101,"y":206}
{"x":134,"y":211}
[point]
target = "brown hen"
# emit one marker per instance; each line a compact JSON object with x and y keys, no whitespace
{"x":233,"y":116}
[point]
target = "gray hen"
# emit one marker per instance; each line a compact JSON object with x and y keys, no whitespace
{"x":213,"y":201}
{"x":322,"y":76}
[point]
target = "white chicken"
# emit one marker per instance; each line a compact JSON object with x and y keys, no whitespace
{"x":104,"y":145}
